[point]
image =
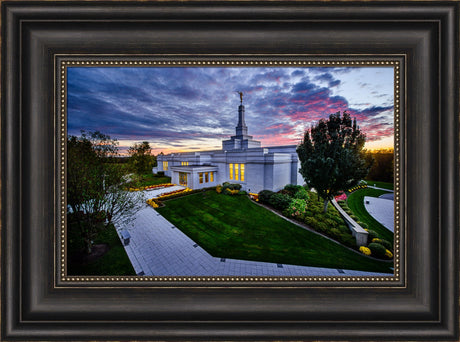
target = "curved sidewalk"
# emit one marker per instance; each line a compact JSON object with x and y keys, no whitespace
{"x":158,"y":248}
{"x":382,"y":210}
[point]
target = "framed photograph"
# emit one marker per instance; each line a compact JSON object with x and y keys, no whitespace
{"x":230,"y":171}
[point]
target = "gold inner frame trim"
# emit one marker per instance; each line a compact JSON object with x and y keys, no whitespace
{"x":127,"y":61}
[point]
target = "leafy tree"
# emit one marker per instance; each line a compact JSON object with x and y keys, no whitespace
{"x":331,"y":156}
{"x":141,"y":158}
{"x":383,"y":165}
{"x":95,"y":188}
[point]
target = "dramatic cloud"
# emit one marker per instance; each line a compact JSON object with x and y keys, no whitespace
{"x":178,"y":109}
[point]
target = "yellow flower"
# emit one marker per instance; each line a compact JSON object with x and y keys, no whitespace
{"x":365,"y":250}
{"x":376,"y":240}
{"x":388,"y":254}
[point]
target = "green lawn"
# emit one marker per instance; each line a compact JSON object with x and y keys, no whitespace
{"x":235,"y":227}
{"x":356,"y":203}
{"x":151,"y":179}
{"x":378,"y":184}
{"x":114,"y":262}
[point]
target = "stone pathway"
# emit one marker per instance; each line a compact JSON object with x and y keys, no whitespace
{"x":382,"y":209}
{"x":376,"y":187}
{"x":158,"y":248}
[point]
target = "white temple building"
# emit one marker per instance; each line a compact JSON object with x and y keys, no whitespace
{"x":241,"y":160}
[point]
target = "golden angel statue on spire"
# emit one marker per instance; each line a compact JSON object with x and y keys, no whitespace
{"x":241,"y":96}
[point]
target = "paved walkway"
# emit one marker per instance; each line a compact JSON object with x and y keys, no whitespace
{"x":376,"y":187}
{"x":382,"y":209}
{"x":158,"y":248}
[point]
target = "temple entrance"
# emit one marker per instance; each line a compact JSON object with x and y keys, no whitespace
{"x":183,"y":178}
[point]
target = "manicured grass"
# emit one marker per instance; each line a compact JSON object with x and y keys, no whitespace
{"x":114,"y":262}
{"x":378,"y":184}
{"x":150,"y":179}
{"x":355,"y":202}
{"x":235,"y":227}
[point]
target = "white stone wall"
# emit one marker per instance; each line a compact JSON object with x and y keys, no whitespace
{"x":265,"y":168}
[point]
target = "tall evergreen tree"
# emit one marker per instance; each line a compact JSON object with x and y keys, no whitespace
{"x":331,"y":156}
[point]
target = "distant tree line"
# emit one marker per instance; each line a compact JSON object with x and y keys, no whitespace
{"x":382,"y":168}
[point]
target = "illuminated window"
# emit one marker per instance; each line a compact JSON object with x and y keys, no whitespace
{"x":184,"y":163}
{"x":206,"y":177}
{"x":212,"y":176}
{"x":165,"y":166}
{"x":231,"y":170}
{"x":201,"y":177}
{"x":242,"y":172}
{"x":236,"y":172}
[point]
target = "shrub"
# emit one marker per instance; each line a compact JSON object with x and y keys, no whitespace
{"x":311,"y":221}
{"x":343,"y":228}
{"x":348,"y":240}
{"x":280,"y":201}
{"x":219,"y":189}
{"x":385,"y":243}
{"x":265,"y":195}
{"x":341,"y":202}
{"x":377,"y":249}
{"x":322,"y":227}
{"x":231,"y":186}
{"x":160,"y":173}
{"x":335,"y":233}
{"x":296,"y":208}
{"x":363,"y":225}
{"x":330,"y":222}
{"x":337,"y":219}
{"x":302,"y":194}
{"x":291,"y":188}
{"x":372,"y":234}
{"x":354,"y":217}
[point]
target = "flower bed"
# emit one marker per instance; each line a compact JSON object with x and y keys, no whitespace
{"x":356,"y":188}
{"x":254,"y":197}
{"x":342,"y":197}
{"x":153,"y":203}
{"x":157,"y":201}
{"x":152,"y":187}
{"x":167,"y":195}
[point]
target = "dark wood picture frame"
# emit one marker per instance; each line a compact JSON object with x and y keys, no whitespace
{"x":423,"y":304}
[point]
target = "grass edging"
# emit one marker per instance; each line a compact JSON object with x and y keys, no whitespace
{"x":355,"y":202}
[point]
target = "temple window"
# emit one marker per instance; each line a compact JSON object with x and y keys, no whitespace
{"x":231,"y":170}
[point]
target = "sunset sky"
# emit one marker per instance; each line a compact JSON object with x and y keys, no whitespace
{"x":192,"y":109}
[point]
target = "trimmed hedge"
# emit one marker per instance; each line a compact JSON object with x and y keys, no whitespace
{"x":264,"y":196}
{"x":377,"y":250}
{"x":372,"y":235}
{"x":279,"y":201}
{"x":387,"y":244}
